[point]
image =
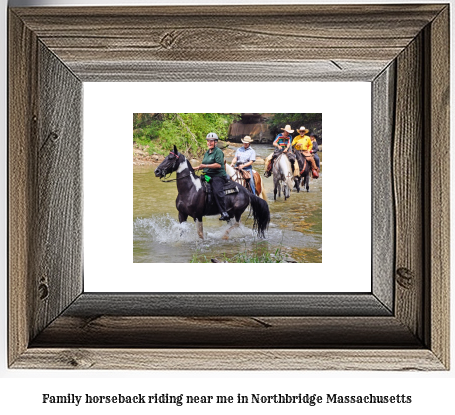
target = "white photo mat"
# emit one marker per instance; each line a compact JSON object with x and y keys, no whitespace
{"x":108,"y":189}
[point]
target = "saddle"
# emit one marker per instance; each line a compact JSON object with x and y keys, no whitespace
{"x":229,"y":188}
{"x":306,"y":157}
{"x":246,"y":174}
{"x":244,"y":178}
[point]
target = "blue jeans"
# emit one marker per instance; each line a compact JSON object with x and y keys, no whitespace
{"x":250,"y":170}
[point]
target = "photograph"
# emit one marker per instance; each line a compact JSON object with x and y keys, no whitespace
{"x":211,"y":186}
{"x":227,"y":187}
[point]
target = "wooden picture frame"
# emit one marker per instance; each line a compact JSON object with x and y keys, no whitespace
{"x":403,"y":324}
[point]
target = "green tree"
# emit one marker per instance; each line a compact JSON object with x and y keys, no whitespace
{"x":159,"y":132}
{"x":296,"y":120}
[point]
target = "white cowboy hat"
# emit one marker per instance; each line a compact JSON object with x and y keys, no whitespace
{"x":288,"y":129}
{"x":247,"y":139}
{"x":306,"y":130}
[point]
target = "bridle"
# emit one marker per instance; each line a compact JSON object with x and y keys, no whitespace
{"x":174,"y":168}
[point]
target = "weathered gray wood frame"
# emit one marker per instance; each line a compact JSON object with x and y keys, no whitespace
{"x":403,"y":50}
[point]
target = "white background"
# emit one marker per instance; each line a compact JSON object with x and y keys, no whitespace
{"x":108,"y":192}
{"x":20,"y":391}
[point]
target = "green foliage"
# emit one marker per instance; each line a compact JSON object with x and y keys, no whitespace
{"x":257,"y":255}
{"x":296,"y":120}
{"x":161,"y":131}
{"x":141,"y":120}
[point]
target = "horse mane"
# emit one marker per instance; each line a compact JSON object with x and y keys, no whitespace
{"x":285,"y":158}
{"x":190,"y":167}
{"x":288,"y":164}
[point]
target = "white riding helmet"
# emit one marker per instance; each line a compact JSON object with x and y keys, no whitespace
{"x":211,"y":136}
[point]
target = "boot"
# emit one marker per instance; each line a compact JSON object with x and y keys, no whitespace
{"x":224,"y":216}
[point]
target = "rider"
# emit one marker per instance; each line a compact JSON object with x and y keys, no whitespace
{"x":213,"y":166}
{"x":315,"y":149}
{"x":244,"y":158}
{"x":303,"y":143}
{"x":282,"y":143}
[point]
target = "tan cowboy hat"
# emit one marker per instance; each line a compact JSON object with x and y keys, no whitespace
{"x":288,"y":129}
{"x":306,"y":130}
{"x":247,"y":139}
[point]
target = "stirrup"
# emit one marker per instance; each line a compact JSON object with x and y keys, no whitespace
{"x":224,"y":216}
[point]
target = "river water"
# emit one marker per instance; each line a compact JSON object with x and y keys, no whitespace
{"x":295,"y":227}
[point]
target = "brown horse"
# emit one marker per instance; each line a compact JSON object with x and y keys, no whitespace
{"x":237,"y":177}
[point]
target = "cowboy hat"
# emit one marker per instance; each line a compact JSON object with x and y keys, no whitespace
{"x":288,"y":129}
{"x":306,"y":130}
{"x":247,"y":139}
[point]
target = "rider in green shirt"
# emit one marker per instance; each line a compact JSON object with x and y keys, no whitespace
{"x":213,"y":166}
{"x":214,"y":156}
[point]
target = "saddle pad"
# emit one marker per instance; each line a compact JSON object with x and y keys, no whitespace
{"x":230,"y":191}
{"x":230,"y":187}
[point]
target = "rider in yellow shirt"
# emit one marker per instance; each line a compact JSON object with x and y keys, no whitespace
{"x":303,"y":143}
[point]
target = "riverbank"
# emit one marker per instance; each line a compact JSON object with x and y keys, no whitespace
{"x":141,"y":156}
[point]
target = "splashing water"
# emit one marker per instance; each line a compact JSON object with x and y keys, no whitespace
{"x":162,"y":238}
{"x":164,"y":230}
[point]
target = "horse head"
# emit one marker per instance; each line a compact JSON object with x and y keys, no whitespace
{"x":170,"y":163}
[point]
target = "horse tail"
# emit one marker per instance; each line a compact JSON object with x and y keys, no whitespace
{"x":261,"y":214}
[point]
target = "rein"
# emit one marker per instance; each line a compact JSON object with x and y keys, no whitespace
{"x":174,"y":180}
{"x":177,"y":178}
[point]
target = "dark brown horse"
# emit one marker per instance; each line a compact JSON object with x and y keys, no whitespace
{"x":305,"y":170}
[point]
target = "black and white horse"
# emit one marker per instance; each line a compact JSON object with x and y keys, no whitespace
{"x":191,"y":200}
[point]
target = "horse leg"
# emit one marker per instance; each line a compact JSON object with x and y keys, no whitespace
{"x":307,"y":182}
{"x":182,"y":218}
{"x":235,"y":225}
{"x":237,"y":217}
{"x":278,"y":187}
{"x":199,"y":227}
{"x":297,"y":183}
